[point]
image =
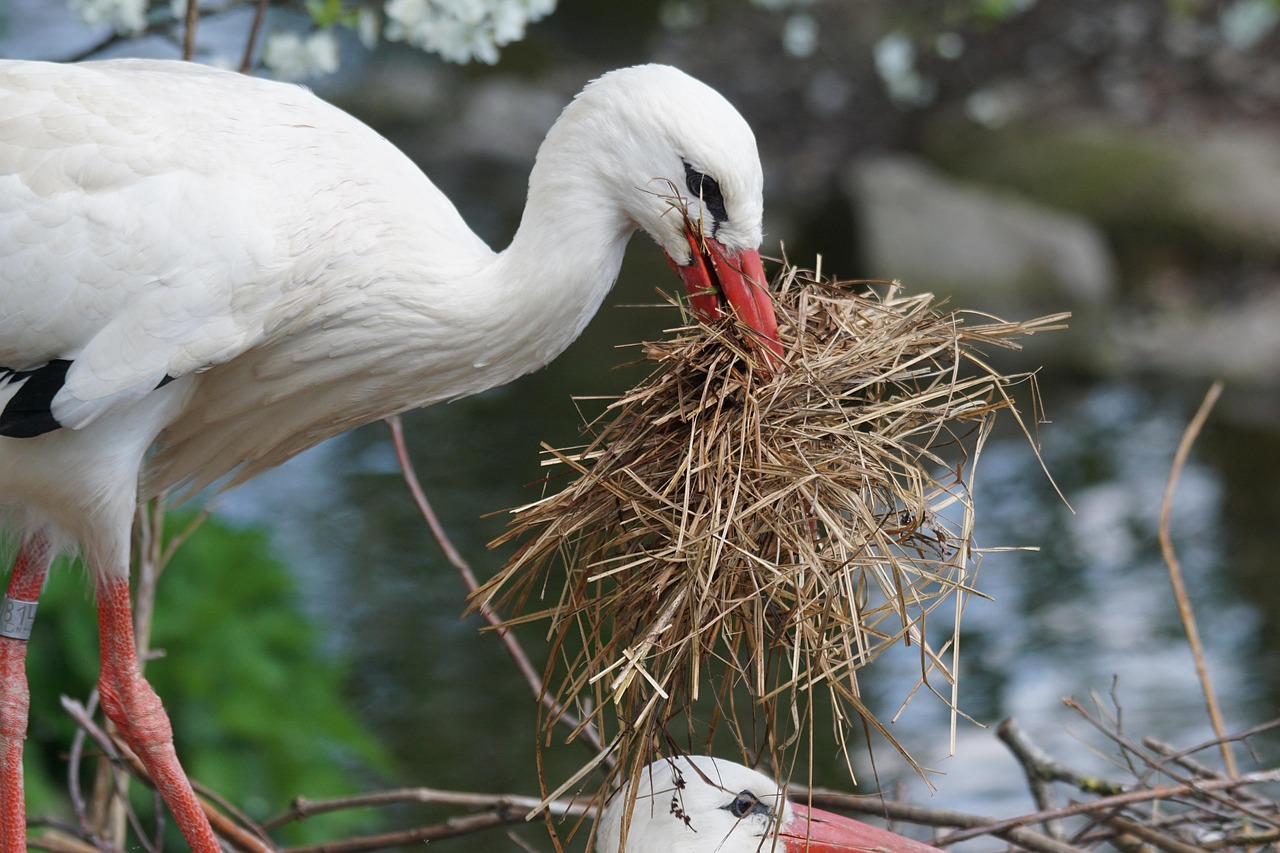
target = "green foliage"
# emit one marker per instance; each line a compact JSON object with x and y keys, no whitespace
{"x":327,"y":13}
{"x":255,"y":704}
{"x":998,"y":10}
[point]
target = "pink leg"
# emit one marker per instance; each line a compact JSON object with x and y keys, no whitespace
{"x":16,"y":614}
{"x":130,"y":703}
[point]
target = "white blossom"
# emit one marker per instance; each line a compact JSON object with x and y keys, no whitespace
{"x":781,"y":5}
{"x":367,"y":26}
{"x":462,"y":30}
{"x":127,"y":17}
{"x":895,"y":61}
{"x":800,"y":35}
{"x":290,"y":56}
{"x":1246,"y":22}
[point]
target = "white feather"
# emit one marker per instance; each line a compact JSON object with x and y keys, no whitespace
{"x":681,"y":806}
{"x":292,"y":272}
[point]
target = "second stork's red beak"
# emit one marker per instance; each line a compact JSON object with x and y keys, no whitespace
{"x":814,"y":831}
{"x":714,"y":274}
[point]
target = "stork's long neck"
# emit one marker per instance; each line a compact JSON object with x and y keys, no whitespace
{"x":566,"y":254}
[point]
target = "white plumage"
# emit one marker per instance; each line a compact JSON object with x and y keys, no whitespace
{"x":291,"y":270}
{"x":698,"y":804}
{"x":241,"y":270}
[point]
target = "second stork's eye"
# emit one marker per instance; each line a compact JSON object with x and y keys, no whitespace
{"x":704,"y":187}
{"x":746,"y":803}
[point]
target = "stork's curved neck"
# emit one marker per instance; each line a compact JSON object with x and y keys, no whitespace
{"x":567,"y":252}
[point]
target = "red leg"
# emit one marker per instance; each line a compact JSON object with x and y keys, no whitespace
{"x":130,"y":703}
{"x":16,"y":614}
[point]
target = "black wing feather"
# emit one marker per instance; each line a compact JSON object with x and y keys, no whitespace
{"x":30,"y":412}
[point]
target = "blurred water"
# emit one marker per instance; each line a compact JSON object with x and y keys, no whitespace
{"x":1089,"y":612}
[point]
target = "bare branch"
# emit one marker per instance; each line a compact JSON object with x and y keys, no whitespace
{"x":1185,"y":611}
{"x":586,"y":733}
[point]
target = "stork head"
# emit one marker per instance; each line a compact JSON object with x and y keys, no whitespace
{"x":682,"y":165}
{"x":697,"y":804}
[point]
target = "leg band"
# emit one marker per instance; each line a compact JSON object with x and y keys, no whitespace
{"x":16,"y":618}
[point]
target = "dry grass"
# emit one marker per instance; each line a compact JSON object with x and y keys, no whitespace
{"x":732,"y":530}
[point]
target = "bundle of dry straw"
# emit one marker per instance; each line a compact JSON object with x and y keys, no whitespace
{"x":739,"y":530}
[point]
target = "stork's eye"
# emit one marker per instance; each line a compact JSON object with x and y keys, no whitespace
{"x":747,"y":803}
{"x":705,"y":187}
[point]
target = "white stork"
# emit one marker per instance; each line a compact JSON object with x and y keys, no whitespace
{"x":233,"y":270}
{"x":698,"y":804}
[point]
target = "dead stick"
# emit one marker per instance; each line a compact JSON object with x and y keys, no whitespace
{"x":189,"y":30}
{"x":1175,"y":573}
{"x":1128,"y":798}
{"x":1158,"y":766}
{"x":246,"y":62}
{"x":302,"y":807}
{"x":1151,"y":835}
{"x":119,"y":752}
{"x":417,"y":836}
{"x":588,"y":733}
{"x":1048,"y":769}
{"x":1019,"y":835}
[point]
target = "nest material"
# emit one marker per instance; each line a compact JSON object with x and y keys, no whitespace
{"x":737,"y":526}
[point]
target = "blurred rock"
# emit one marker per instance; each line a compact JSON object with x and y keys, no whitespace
{"x":986,"y":247}
{"x":1157,"y":193}
{"x":1237,"y":341}
{"x":1231,"y":183}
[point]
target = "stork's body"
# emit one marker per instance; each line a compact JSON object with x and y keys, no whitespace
{"x":241,"y":270}
{"x":698,"y":804}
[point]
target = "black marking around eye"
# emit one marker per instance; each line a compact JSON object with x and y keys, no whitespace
{"x":705,"y":187}
{"x":745,"y":804}
{"x":29,"y":413}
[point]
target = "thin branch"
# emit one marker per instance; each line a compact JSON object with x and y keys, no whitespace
{"x":451,"y":828}
{"x":586,"y":732}
{"x":1014,"y":833}
{"x":1129,"y":798}
{"x":1155,"y":766}
{"x":246,"y":62}
{"x":1175,"y":573}
{"x":303,"y":807}
{"x":121,"y":755}
{"x":1046,"y":768}
{"x":59,"y":841}
{"x":116,"y":758}
{"x":1150,"y":835}
{"x":189,"y":29}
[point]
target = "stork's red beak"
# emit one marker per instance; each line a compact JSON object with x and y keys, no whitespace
{"x":817,"y":831}
{"x":714,"y":273}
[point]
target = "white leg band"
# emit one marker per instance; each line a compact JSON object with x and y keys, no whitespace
{"x":16,"y":618}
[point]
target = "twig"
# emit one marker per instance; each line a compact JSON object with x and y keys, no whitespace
{"x":246,"y":63}
{"x":1151,"y":835}
{"x":418,"y":835}
{"x":302,"y":807}
{"x":116,"y":757}
{"x":189,"y":29}
{"x":1016,"y":834}
{"x":1144,"y":795}
{"x":1238,"y":736}
{"x":120,"y":754}
{"x":1039,"y":768}
{"x":1182,"y":757}
{"x":1161,"y":767}
{"x":1045,"y":767}
{"x":60,"y":840}
{"x":1175,"y":573}
{"x":79,"y":807}
{"x":586,"y":732}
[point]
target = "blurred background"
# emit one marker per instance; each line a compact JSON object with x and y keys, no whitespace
{"x":1114,"y":158}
